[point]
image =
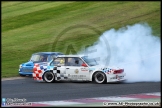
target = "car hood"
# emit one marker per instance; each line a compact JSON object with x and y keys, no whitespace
{"x":28,"y":64}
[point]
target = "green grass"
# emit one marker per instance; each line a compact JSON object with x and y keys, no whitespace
{"x":29,"y":27}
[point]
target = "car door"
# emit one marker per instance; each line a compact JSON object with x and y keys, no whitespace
{"x":59,"y":69}
{"x":75,"y":70}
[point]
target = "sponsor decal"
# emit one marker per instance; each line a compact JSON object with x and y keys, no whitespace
{"x":84,"y":69}
{"x":107,"y":70}
{"x":77,"y":76}
{"x":76,"y":71}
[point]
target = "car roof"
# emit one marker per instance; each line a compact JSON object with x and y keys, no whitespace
{"x":70,"y":55}
{"x":48,"y":53}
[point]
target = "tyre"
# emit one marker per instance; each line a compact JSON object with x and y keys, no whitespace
{"x":99,"y":77}
{"x":49,"y":77}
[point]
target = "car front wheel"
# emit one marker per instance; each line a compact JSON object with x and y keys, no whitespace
{"x":99,"y":77}
{"x":49,"y":77}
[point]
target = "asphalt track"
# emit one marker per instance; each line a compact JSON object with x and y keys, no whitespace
{"x":39,"y":91}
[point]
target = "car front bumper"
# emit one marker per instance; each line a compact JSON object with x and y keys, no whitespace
{"x":25,"y":73}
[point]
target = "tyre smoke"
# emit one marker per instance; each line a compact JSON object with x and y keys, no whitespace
{"x":133,"y":48}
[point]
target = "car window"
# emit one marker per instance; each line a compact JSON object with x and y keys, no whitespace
{"x":44,"y":58}
{"x":35,"y":57}
{"x":58,"y":62}
{"x":50,"y":57}
{"x":39,"y":58}
{"x":90,"y":61}
{"x":74,"y":61}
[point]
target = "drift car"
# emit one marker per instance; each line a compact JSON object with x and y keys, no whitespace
{"x":40,"y":57}
{"x":76,"y":68}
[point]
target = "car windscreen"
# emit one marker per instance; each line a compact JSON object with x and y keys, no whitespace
{"x":89,"y":61}
{"x":39,"y":58}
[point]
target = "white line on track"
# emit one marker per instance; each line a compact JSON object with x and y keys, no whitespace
{"x":12,"y":78}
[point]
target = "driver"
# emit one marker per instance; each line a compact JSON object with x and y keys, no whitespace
{"x":62,"y":61}
{"x":44,"y":58}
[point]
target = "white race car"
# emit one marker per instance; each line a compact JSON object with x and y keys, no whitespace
{"x":76,"y":68}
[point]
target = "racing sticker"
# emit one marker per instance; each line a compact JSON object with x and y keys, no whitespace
{"x":108,"y":70}
{"x":75,"y":77}
{"x":84,"y":69}
{"x":76,"y":71}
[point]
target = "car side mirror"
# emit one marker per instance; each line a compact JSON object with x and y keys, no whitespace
{"x":84,"y":65}
{"x":54,"y":57}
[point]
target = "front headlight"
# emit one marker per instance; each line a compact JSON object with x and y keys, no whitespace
{"x":20,"y":66}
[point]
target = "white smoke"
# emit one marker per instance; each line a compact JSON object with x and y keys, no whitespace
{"x":133,"y":48}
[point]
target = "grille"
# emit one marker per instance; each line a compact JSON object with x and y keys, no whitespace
{"x":27,"y":70}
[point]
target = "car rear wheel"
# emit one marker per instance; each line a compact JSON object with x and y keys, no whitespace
{"x":49,"y":77}
{"x":99,"y":77}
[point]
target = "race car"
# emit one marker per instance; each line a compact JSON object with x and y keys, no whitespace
{"x":39,"y":57}
{"x":76,"y":68}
